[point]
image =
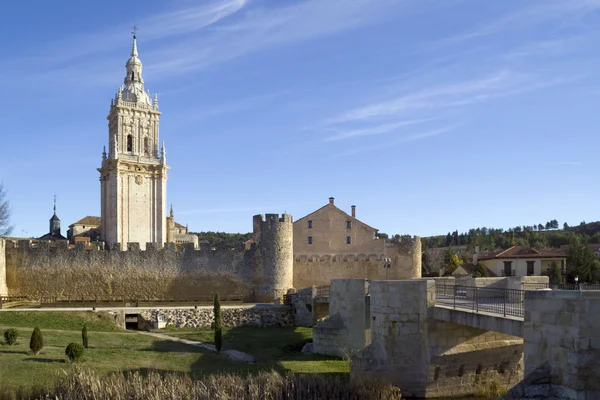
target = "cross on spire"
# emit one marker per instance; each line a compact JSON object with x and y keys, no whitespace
{"x":135,"y":29}
{"x":54,"y":204}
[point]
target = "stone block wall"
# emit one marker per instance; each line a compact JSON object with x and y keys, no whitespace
{"x":231,"y":317}
{"x":426,"y":357}
{"x":347,"y":329}
{"x":562,"y":345}
{"x":302,"y":305}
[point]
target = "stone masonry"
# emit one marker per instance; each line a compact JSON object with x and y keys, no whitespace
{"x":346,"y":331}
{"x":203,"y":317}
{"x":3,"y":287}
{"x":425,"y":357}
{"x":562,"y":346}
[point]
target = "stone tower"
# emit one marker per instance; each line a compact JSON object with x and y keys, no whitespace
{"x":274,"y":238}
{"x":133,"y":176}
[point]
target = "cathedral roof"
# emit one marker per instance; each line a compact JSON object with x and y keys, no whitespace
{"x":55,"y":236}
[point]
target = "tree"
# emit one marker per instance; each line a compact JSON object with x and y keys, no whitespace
{"x":554,"y":274}
{"x":565,"y":226}
{"x":84,"y":336}
{"x":36,"y":343}
{"x":5,"y":227}
{"x":74,"y":351}
{"x":451,"y":260}
{"x":217,"y":323}
{"x":554,"y":224}
{"x":479,"y":271}
{"x":582,"y":261}
{"x":540,"y":227}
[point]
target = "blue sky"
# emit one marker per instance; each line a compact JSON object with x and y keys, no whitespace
{"x":429,"y":115}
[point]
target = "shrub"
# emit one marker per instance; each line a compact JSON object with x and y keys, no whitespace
{"x":10,"y":336}
{"x":217,"y":323}
{"x":74,"y":351}
{"x":36,"y":343}
{"x":84,"y":336}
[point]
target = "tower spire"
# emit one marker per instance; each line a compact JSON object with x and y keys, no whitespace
{"x":134,"y":52}
{"x":55,"y":204}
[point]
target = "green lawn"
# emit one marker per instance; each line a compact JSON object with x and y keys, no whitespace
{"x":61,"y":320}
{"x":274,"y":348}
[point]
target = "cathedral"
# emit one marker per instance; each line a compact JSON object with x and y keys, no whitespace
{"x":133,"y":175}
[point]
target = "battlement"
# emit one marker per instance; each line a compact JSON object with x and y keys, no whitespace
{"x":271,"y":218}
{"x":132,"y":247}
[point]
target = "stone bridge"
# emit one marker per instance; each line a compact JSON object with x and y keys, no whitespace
{"x":441,"y":344}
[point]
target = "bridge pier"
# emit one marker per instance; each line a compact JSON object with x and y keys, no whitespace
{"x":562,"y":345}
{"x":426,"y":357}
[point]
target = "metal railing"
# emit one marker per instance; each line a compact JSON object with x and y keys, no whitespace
{"x":576,"y":286}
{"x":505,"y":302}
{"x":11,"y":299}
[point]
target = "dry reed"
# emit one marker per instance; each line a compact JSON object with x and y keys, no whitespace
{"x":84,"y":384}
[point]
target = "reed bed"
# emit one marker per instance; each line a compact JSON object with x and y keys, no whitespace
{"x":82,"y":384}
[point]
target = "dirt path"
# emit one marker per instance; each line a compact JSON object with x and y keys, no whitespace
{"x":232,"y":354}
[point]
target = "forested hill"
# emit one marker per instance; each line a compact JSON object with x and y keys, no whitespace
{"x":223,"y":240}
{"x":546,"y":235}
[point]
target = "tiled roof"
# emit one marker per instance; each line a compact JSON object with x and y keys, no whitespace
{"x":89,"y":220}
{"x":338,"y":209}
{"x":522,"y":252}
{"x":468,"y":268}
{"x":179,"y":226}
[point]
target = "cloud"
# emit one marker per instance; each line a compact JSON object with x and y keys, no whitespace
{"x":500,"y":84}
{"x":376,"y":130}
{"x":557,"y":11}
{"x":391,"y":143}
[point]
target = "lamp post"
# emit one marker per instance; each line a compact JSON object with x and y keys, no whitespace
{"x":387,"y":265}
{"x":577,"y":282}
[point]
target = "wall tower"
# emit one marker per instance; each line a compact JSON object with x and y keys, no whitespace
{"x":133,"y":176}
{"x":274,"y":238}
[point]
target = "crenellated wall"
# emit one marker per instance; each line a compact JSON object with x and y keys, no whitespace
{"x":260,"y":273}
{"x":319,"y":270}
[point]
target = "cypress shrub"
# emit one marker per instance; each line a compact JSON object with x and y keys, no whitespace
{"x":74,"y":351}
{"x":217,"y":323}
{"x":36,"y":343}
{"x":84,"y":336}
{"x":10,"y":336}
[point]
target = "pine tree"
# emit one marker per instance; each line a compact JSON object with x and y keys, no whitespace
{"x":36,"y":343}
{"x":217,"y":323}
{"x":84,"y":336}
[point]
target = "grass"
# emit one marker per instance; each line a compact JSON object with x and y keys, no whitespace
{"x":60,"y":320}
{"x":275,"y":349}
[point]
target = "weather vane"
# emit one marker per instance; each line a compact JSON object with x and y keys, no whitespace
{"x":135,"y":29}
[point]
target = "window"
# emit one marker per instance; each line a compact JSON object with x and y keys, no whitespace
{"x":309,"y":224}
{"x":129,"y":143}
{"x":507,"y":268}
{"x":348,"y":240}
{"x":348,"y":224}
{"x":147,"y":146}
{"x":530,"y":269}
{"x":310,"y":240}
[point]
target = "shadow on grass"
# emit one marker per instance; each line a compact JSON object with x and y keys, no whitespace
{"x":45,"y":360}
{"x":13,"y":352}
{"x":167,"y":346}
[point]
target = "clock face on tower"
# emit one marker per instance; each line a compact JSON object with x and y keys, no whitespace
{"x":139,"y":179}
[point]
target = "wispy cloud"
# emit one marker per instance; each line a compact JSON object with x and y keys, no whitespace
{"x":574,"y":163}
{"x":556,"y":11}
{"x":395,"y":142}
{"x":375,"y":130}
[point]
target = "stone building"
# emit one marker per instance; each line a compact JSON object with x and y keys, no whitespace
{"x":133,"y":174}
{"x":87,"y":228}
{"x":177,"y":233}
{"x":329,"y":230}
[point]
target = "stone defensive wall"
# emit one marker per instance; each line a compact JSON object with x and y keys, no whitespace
{"x":317,"y":270}
{"x":260,"y":272}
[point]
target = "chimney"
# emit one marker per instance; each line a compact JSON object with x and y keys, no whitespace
{"x":476,"y":255}
{"x":354,"y":211}
{"x":331,"y":200}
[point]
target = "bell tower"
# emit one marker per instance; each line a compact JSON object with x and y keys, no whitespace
{"x":133,"y":175}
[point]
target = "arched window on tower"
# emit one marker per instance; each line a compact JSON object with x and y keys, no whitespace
{"x":129,"y":143}
{"x":146,"y":146}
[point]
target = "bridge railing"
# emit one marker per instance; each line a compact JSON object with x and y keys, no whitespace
{"x":505,"y":302}
{"x":576,"y":286}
